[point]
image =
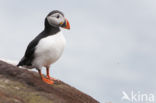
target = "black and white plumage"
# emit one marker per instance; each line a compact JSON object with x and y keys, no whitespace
{"x":48,"y":46}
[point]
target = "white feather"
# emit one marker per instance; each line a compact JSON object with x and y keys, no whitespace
{"x":49,"y":50}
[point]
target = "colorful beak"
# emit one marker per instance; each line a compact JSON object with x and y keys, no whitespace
{"x":66,"y":24}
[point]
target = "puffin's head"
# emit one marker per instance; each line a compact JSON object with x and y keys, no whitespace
{"x":56,"y":19}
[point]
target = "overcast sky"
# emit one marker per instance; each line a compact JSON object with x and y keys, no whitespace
{"x":110,"y":47}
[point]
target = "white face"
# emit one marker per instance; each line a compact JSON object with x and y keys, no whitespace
{"x":56,"y":19}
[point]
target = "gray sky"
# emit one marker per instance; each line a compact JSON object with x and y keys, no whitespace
{"x":110,"y":47}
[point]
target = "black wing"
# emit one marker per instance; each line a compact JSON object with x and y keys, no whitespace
{"x":29,"y":54}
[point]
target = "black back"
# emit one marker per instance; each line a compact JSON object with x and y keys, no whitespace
{"x":29,"y":54}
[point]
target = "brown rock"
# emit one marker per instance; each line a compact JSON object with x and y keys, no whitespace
{"x":22,"y":86}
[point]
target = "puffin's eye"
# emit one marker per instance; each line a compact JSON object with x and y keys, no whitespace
{"x":57,"y":16}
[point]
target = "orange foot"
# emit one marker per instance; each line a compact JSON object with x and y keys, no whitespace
{"x":51,"y":78}
{"x":48,"y":81}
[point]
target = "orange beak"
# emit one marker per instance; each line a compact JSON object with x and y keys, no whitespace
{"x":66,"y":24}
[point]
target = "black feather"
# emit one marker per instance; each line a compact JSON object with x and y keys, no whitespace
{"x":29,"y":54}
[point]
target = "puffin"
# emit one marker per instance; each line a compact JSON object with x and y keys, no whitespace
{"x":46,"y":48}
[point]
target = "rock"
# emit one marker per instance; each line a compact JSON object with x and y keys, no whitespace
{"x":22,"y":86}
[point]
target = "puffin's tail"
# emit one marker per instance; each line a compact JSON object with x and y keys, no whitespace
{"x":21,"y":62}
{"x":18,"y":64}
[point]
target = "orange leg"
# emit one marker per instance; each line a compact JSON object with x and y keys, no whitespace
{"x":48,"y":81}
{"x":48,"y":74}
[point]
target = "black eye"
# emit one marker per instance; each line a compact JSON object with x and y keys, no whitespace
{"x":57,"y":16}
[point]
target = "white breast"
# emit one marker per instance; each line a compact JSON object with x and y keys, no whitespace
{"x":49,"y":50}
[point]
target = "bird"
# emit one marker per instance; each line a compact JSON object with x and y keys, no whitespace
{"x":47,"y":47}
